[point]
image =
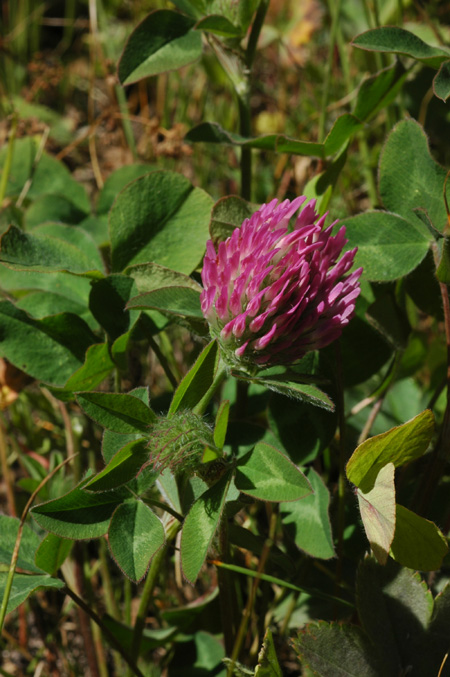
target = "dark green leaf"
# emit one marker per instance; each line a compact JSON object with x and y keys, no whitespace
{"x":395,"y":609}
{"x":161,"y":218}
{"x":363,"y":353}
{"x":390,"y":320}
{"x":79,"y":514}
{"x":52,"y":552}
{"x":344,"y":127}
{"x":441,"y":82}
{"x":308,"y":522}
{"x":378,"y":91}
{"x":40,"y":304}
{"x":134,"y":536}
{"x":50,"y":176}
{"x":97,"y":366}
{"x":122,"y":468}
{"x":108,"y":301}
{"x":51,"y":349}
{"x":268,"y":665}
{"x":23,"y":586}
{"x":410,"y":178}
{"x":219,"y":25}
{"x":151,"y":276}
{"x":112,"y":442}
{"x":47,"y":253}
{"x":121,"y":413}
{"x":265,"y":473}
{"x":116,"y":181}
{"x":220,"y":428}
{"x":287,"y":417}
{"x":335,"y":650}
{"x":227,"y":214}
{"x":53,"y":208}
{"x":304,"y":392}
{"x":200,"y":526}
{"x":181,"y":301}
{"x":163,"y":41}
{"x":151,"y":638}
{"x":388,"y":245}
{"x":9,"y":527}
{"x":400,"y":41}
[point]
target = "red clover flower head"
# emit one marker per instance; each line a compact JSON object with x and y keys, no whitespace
{"x":272,"y":294}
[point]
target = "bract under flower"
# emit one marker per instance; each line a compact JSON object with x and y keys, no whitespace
{"x":272,"y":294}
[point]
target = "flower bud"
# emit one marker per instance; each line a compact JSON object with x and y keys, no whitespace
{"x":179,"y":442}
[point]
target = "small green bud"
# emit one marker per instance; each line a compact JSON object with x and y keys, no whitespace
{"x":179,"y":442}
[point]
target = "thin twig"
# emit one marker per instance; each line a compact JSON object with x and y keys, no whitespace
{"x":365,"y":432}
{"x":29,"y":181}
{"x":9,"y":157}
{"x":251,"y":599}
{"x":106,"y":631}
{"x":15,"y":555}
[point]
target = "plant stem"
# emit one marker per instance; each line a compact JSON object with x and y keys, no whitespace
{"x":163,"y":361}
{"x":227,"y":600}
{"x":245,"y":130}
{"x":9,"y":157}
{"x":15,"y":555}
{"x":251,"y":600}
{"x":342,"y":486}
{"x":111,"y":638}
{"x":255,"y":32}
{"x":335,"y":12}
{"x":149,"y":586}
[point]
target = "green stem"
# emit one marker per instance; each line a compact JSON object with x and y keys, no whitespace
{"x":164,"y":506}
{"x":110,"y":599}
{"x":245,"y":131}
{"x":163,"y":361}
{"x":111,"y":638}
{"x":149,"y":586}
{"x":342,"y":485}
{"x":243,"y":94}
{"x":255,"y":32}
{"x":312,"y":592}
{"x":221,"y":373}
{"x":227,"y":601}
{"x":329,"y":67}
{"x":9,"y":157}
{"x":251,"y":600}
{"x":15,"y":555}
{"x":367,"y":170}
{"x":127,"y":601}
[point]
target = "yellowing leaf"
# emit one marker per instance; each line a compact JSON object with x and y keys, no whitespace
{"x":377,"y":508}
{"x":398,"y":446}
